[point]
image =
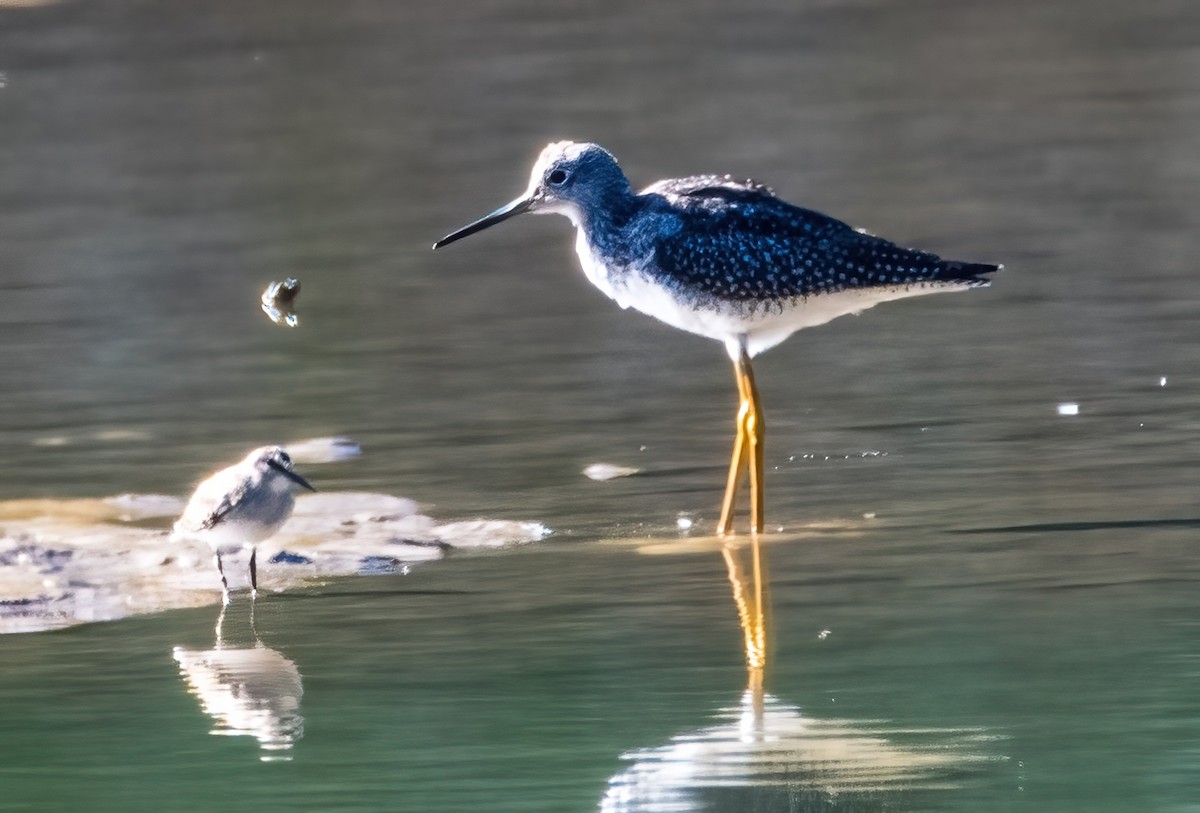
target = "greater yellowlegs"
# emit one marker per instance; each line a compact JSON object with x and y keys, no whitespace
{"x":240,"y":506}
{"x":724,"y":259}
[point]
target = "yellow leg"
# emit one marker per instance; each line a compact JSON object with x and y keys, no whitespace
{"x":756,"y":431}
{"x":737,"y":465}
{"x":747,"y":451}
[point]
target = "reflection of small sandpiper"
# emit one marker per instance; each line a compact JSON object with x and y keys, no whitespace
{"x":247,"y":688}
{"x":279,"y":302}
{"x":724,"y":259}
{"x":240,"y":506}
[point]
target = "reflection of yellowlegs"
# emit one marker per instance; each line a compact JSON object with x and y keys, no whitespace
{"x":762,"y":753}
{"x":749,"y":599}
{"x":242,"y":505}
{"x":727,"y":260}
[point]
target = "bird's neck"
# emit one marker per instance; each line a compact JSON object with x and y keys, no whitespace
{"x":605,"y":224}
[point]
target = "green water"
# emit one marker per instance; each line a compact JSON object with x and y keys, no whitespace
{"x":517,"y":682}
{"x":1008,"y":595}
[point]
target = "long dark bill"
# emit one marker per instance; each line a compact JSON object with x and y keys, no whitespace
{"x":291,"y":475}
{"x":499,"y":216}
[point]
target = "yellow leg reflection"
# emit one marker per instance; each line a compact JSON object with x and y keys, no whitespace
{"x":747,"y":458}
{"x":750,"y":600}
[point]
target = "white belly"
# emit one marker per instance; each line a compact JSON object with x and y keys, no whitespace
{"x":734,"y":324}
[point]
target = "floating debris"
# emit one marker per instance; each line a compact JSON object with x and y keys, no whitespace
{"x":486,"y":533}
{"x":102,"y":435}
{"x":1068,"y":409}
{"x":823,"y":634}
{"x":287,"y":558}
{"x":608,"y":471}
{"x":135,"y":507}
{"x":323,"y":450}
{"x":121,"y":435}
{"x":381,"y":566}
{"x":65,"y":562}
{"x":683,"y":522}
{"x":279,"y":302}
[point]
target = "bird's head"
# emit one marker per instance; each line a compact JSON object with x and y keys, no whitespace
{"x":268,"y":459}
{"x":568,"y":178}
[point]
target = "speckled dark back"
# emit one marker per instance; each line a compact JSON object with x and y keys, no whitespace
{"x":737,"y":242}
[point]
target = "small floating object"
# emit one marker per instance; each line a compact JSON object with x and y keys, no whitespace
{"x":381,"y":566}
{"x":279,"y":302}
{"x":683,"y":522}
{"x":608,"y":471}
{"x":288,"y":558}
{"x":1068,"y":409}
{"x":323,"y":450}
{"x":136,"y":507}
{"x":120,"y":435}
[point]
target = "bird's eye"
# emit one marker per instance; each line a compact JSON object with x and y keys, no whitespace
{"x":284,"y":459}
{"x":557,"y":177}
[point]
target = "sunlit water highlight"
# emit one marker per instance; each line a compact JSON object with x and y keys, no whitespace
{"x":1013,"y":584}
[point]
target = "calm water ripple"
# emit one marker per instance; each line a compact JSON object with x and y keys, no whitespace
{"x":998,"y":611}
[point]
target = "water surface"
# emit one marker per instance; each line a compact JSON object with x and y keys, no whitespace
{"x":1011,"y":597}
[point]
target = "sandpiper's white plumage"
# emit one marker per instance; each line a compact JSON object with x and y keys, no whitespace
{"x":240,"y":506}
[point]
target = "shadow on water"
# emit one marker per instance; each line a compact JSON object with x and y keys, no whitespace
{"x":247,"y":688}
{"x":1068,"y":527}
{"x":327,"y":594}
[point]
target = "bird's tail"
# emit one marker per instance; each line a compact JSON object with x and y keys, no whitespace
{"x":968,"y":273}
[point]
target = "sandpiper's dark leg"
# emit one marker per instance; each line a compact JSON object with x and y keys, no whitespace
{"x":224,"y":584}
{"x":756,"y":431}
{"x":254,"y":572}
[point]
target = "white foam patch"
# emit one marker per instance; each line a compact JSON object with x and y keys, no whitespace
{"x":323,"y":450}
{"x":608,"y":471}
{"x":65,"y":562}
